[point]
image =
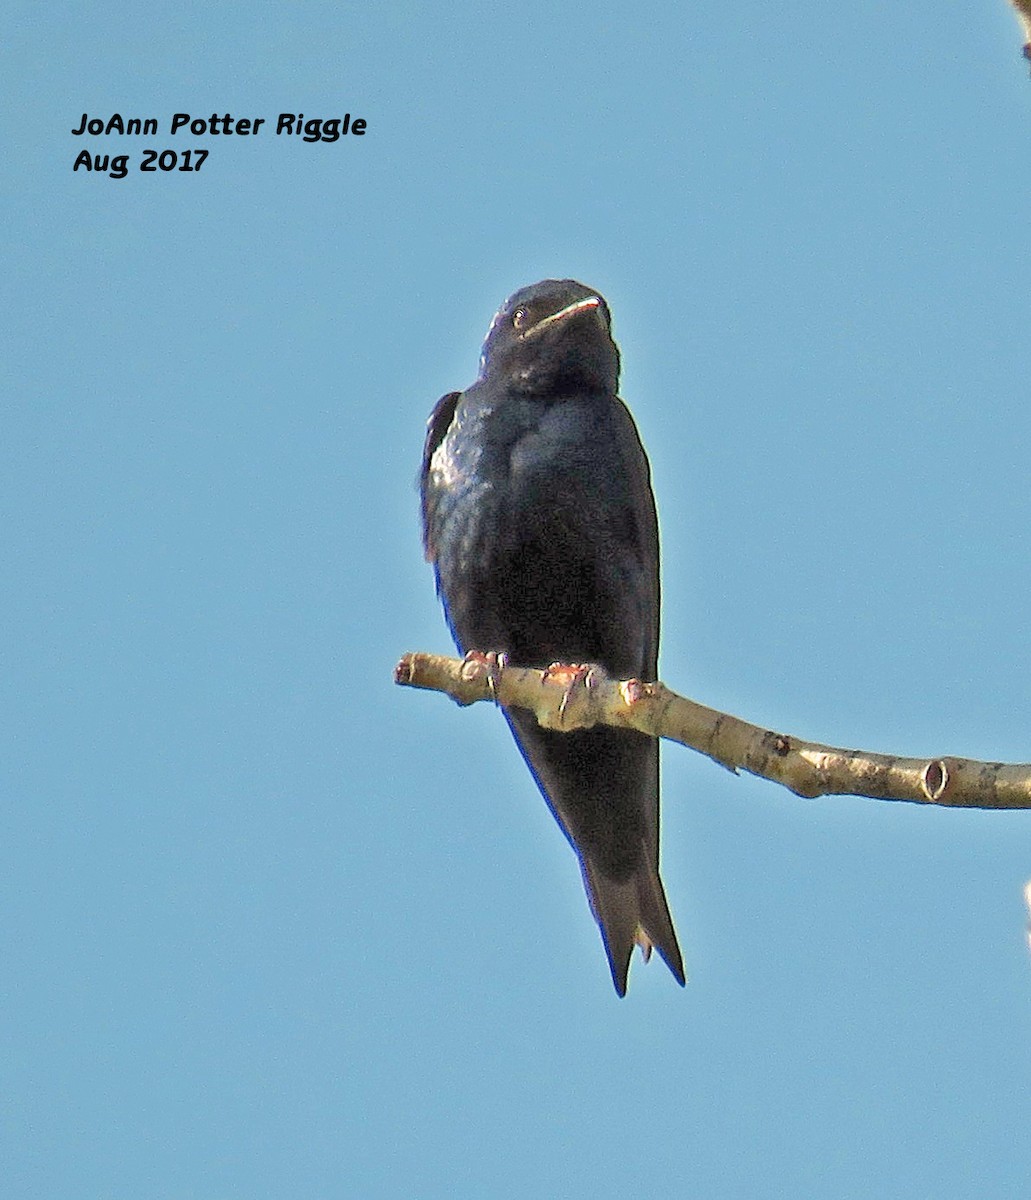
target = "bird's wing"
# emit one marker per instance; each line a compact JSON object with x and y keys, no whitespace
{"x":436,"y":427}
{"x":644,"y":544}
{"x":644,"y":537}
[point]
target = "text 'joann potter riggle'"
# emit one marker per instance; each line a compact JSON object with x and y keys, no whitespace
{"x":315,"y":129}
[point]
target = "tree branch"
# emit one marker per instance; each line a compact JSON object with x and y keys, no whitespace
{"x":567,"y":698}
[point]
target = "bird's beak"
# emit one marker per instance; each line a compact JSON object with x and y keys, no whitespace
{"x":570,"y":310}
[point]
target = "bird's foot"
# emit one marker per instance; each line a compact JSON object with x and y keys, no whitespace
{"x":572,"y":675}
{"x":493,"y":662}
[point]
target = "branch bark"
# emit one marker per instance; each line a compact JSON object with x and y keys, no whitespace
{"x":566,"y":698}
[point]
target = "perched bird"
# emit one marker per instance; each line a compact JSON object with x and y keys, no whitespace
{"x":539,"y":518}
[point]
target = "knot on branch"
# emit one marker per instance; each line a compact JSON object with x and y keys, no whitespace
{"x":935,"y":779}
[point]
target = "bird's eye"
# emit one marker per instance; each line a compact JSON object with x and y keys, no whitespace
{"x":520,"y":318}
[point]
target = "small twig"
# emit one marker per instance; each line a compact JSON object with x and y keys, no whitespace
{"x":806,"y":768}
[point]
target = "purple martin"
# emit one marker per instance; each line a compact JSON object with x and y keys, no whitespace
{"x":539,"y":519}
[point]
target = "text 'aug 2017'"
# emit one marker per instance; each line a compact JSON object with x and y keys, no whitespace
{"x":116,"y":166}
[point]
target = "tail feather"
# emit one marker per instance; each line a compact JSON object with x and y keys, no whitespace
{"x":603,"y":787}
{"x":633,"y":912}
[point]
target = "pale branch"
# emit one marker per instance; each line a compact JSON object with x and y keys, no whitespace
{"x":567,"y":699}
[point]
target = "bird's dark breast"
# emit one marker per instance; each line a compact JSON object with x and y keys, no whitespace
{"x":551,"y":569}
{"x":543,"y":559}
{"x":555,"y":597}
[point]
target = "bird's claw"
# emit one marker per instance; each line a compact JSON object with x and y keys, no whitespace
{"x":574,"y":675}
{"x":493,"y":662}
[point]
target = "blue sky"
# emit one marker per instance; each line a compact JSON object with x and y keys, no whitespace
{"x":273,"y":927}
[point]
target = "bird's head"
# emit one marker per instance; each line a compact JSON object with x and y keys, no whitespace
{"x":553,"y":333}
